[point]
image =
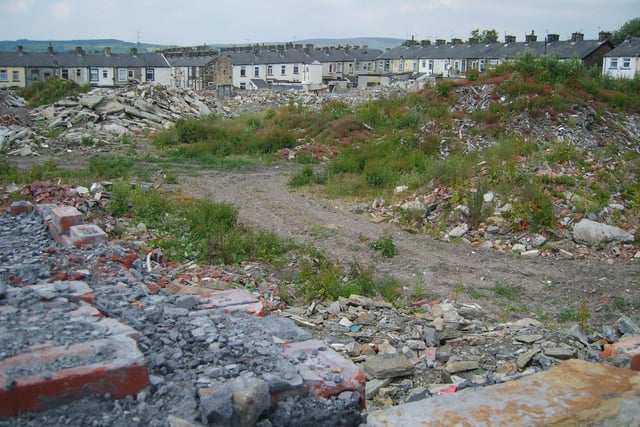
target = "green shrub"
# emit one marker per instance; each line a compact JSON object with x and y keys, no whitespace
{"x":50,"y":91}
{"x":384,"y":244}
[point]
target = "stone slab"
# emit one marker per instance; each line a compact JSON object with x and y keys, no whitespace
{"x":31,"y":382}
{"x":324,"y":372}
{"x":573,"y":393}
{"x":235,"y":300}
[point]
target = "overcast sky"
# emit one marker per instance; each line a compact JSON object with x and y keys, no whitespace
{"x":194,"y":22}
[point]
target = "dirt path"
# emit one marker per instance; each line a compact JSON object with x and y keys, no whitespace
{"x":544,"y":286}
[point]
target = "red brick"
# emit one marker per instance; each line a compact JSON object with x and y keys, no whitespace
{"x":64,"y":217}
{"x":629,"y":346}
{"x":22,"y":207}
{"x":123,"y":374}
{"x":88,"y":234}
{"x":322,"y":362}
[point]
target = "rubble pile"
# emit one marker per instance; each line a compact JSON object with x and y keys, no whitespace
{"x":198,"y":356}
{"x":102,"y":117}
{"x":436,"y":348}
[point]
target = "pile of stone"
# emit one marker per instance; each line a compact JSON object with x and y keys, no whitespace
{"x":439,"y":348}
{"x":105,"y":117}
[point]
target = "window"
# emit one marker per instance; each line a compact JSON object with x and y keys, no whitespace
{"x":93,"y":74}
{"x":105,"y":74}
{"x":243,"y":85}
{"x":296,"y":69}
{"x":330,"y":68}
{"x":243,"y":71}
{"x":339,"y":67}
{"x":15,"y":76}
{"x":4,"y":76}
{"x":350,"y":68}
{"x":401,"y":65}
{"x":387,"y":64}
{"x":35,"y":75}
{"x":283,"y":70}
{"x":122,"y":75}
{"x":78,"y":72}
{"x":256,"y":71}
{"x":270,"y":70}
{"x":431,"y":65}
{"x":626,"y":63}
{"x":613,"y":63}
{"x":149,"y":74}
{"x":65,"y":74}
{"x":130,"y":74}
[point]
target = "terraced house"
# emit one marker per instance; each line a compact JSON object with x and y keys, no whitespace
{"x":624,"y":60}
{"x":458,"y":58}
{"x":98,"y":69}
{"x":308,"y":68}
{"x":296,"y":67}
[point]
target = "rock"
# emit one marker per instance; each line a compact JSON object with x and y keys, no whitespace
{"x":594,"y":233}
{"x":372,"y":387}
{"x":458,"y":231}
{"x":91,"y":101}
{"x":455,"y":366}
{"x":528,"y":339}
{"x":525,"y":358}
{"x":560,"y":353}
{"x":627,"y":326}
{"x":380,"y":367}
{"x":250,"y":399}
{"x":413,"y":205}
{"x":368,"y":302}
{"x":416,"y":344}
{"x":216,"y":406}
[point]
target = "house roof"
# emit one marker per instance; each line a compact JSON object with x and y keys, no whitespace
{"x":301,"y":56}
{"x":564,"y":49}
{"x":84,"y":60}
{"x":191,"y":61}
{"x":630,"y":47}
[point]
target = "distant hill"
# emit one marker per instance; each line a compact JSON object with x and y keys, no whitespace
{"x":120,"y":46}
{"x":96,"y":45}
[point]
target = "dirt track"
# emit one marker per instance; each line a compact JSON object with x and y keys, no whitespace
{"x":545,"y":286}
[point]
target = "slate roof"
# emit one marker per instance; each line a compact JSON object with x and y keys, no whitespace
{"x":628,"y":48}
{"x":73,"y":60}
{"x":191,"y":61}
{"x":563,"y":49}
{"x":301,"y":56}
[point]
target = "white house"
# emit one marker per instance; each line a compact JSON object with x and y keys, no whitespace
{"x":624,"y":60}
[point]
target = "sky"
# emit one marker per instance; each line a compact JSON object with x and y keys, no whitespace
{"x":197,"y":22}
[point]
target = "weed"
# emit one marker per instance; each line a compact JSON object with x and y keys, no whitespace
{"x":507,"y":292}
{"x":567,"y":315}
{"x":384,"y":244}
{"x":50,"y":91}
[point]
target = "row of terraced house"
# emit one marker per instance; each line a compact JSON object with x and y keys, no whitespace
{"x":306,"y":67}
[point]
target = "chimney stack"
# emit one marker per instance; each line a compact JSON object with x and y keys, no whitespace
{"x":440,"y":42}
{"x":553,"y":38}
{"x":603,"y":36}
{"x":492,"y":39}
{"x":531,"y":38}
{"x":20,"y":50}
{"x":425,"y":42}
{"x":107,"y":51}
{"x":134,"y":51}
{"x":509,"y":39}
{"x":79,"y":50}
{"x":577,"y":37}
{"x":50,"y":49}
{"x":456,"y":41}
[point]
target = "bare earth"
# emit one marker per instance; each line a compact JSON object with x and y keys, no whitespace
{"x":545,"y":286}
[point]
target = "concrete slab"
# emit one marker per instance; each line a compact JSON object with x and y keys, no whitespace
{"x":87,"y":234}
{"x":573,"y":393}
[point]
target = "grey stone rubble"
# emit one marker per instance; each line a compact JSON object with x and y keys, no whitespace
{"x":104,"y":116}
{"x":189,"y":348}
{"x":432,"y":349}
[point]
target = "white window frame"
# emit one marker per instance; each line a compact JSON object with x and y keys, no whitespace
{"x":626,"y":63}
{"x":269,"y":70}
{"x":94,"y":74}
{"x":150,"y":74}
{"x":64,"y":74}
{"x":15,"y":76}
{"x":123,"y":74}
{"x":243,"y":71}
{"x":296,"y":69}
{"x":4,"y":75}
{"x":283,"y":70}
{"x":256,"y":71}
{"x":614,"y":63}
